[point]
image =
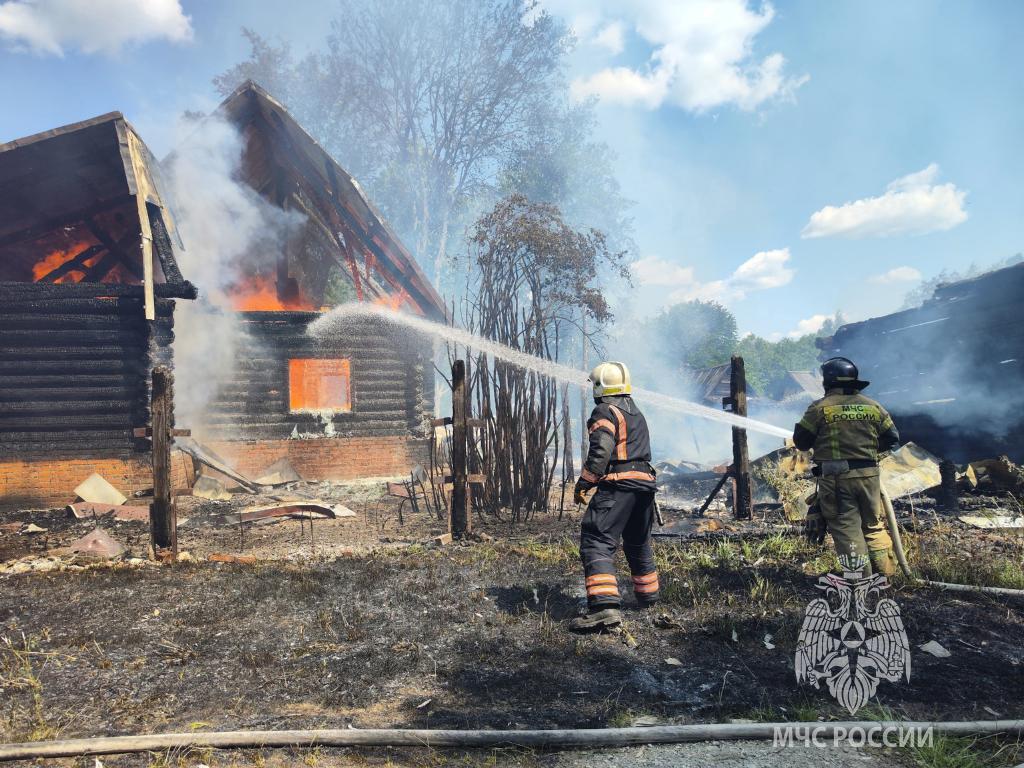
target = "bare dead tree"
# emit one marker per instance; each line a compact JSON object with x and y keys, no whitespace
{"x":536,"y":279}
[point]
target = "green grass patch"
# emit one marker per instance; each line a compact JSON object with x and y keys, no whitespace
{"x":967,"y":752}
{"x":991,"y":571}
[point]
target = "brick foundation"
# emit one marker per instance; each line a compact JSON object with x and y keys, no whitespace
{"x":340,"y":458}
{"x":51,"y":482}
{"x":36,"y":483}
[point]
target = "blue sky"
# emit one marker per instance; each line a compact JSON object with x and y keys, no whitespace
{"x":734,"y":123}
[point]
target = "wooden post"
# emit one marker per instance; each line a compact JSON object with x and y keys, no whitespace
{"x":569,"y":465}
{"x":742,"y":497}
{"x":949,"y":498}
{"x":460,"y":523}
{"x":162,"y":517}
{"x":584,"y":412}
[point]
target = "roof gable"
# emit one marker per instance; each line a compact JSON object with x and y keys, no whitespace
{"x":289,"y":168}
{"x":82,"y":203}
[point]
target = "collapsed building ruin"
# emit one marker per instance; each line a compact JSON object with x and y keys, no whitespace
{"x":354,"y":405}
{"x":952,"y":370}
{"x":88,"y":278}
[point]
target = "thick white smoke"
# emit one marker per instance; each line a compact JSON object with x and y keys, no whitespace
{"x":224,"y":225}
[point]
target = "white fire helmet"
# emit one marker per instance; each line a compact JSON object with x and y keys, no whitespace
{"x":610,"y":378}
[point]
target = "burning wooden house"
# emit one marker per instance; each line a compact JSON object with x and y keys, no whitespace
{"x":87,"y":281}
{"x":354,"y":405}
{"x":952,"y":370}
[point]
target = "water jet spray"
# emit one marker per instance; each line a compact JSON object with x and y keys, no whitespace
{"x":335,"y":320}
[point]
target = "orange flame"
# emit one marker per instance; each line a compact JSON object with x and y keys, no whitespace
{"x":393,"y":302}
{"x":56,"y":258}
{"x":258,"y":293}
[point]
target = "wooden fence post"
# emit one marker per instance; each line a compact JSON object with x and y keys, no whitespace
{"x":742,"y":497}
{"x":162,"y":514}
{"x":461,"y":522}
{"x":948,"y":495}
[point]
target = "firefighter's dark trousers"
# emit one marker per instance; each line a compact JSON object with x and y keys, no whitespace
{"x":614,"y":515}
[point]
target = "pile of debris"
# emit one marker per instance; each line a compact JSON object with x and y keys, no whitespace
{"x":912,"y":477}
{"x":278,"y":494}
{"x":216,"y":480}
{"x":95,"y":549}
{"x":684,"y":483}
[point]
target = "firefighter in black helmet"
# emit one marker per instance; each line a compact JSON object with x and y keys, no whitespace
{"x":847,"y":431}
{"x":623,"y":508}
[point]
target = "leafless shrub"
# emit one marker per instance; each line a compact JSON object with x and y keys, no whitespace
{"x":537,"y":288}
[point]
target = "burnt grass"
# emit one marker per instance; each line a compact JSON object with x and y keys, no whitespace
{"x":476,"y":631}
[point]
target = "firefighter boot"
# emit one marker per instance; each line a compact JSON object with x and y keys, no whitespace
{"x":883,"y":561}
{"x":605,"y":618}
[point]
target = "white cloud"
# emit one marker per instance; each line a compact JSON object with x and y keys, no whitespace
{"x":702,"y":54}
{"x":812,"y":324}
{"x":896,"y":275}
{"x":611,"y":38}
{"x":766,"y":269}
{"x":912,"y":205}
{"x":52,"y":26}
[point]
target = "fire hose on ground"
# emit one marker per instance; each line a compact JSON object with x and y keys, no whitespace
{"x":483,"y":739}
{"x":901,"y":556}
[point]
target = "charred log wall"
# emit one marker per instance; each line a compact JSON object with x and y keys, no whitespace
{"x":75,"y":363}
{"x":391,"y":380}
{"x":951,"y":371}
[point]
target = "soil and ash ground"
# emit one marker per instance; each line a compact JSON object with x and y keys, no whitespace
{"x":344,"y":630}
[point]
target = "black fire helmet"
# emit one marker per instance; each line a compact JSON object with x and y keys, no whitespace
{"x":839,"y":372}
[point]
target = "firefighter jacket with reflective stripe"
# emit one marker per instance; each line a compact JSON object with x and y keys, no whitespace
{"x":620,"y":446}
{"x":846,"y":425}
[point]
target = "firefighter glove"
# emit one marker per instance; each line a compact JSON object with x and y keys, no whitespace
{"x":814,"y":525}
{"x":580,"y":494}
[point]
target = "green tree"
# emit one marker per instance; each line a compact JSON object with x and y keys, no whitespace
{"x":695,"y":334}
{"x":768,"y":362}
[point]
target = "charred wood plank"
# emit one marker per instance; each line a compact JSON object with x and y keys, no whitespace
{"x":82,"y":351}
{"x":43,"y":407}
{"x":81,"y":306}
{"x":21,"y":422}
{"x":59,"y":449}
{"x":68,"y":433}
{"x":56,"y":337}
{"x":76,"y":262}
{"x":63,"y":366}
{"x":116,"y":249}
{"x":38,"y":382}
{"x":184,"y":290}
{"x":74,"y":396}
{"x":55,"y":321}
{"x":162,"y":244}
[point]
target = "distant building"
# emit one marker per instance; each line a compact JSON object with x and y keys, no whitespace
{"x":800,"y":385}
{"x":709,"y":386}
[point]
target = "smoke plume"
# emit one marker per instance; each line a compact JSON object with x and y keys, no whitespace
{"x":225,"y":226}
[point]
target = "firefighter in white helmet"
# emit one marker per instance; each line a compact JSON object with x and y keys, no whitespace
{"x":618,"y":464}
